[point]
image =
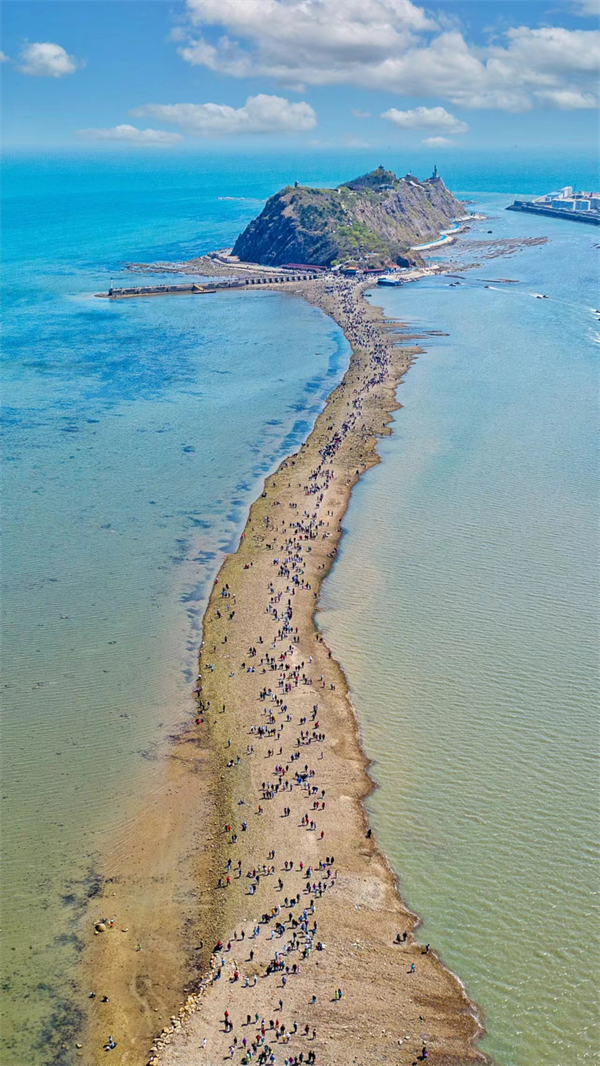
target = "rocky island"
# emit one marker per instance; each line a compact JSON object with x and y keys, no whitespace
{"x":374,"y":218}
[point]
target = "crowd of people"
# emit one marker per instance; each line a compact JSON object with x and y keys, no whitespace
{"x":277,"y":679}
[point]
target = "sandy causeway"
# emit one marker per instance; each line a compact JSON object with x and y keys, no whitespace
{"x":303,"y":903}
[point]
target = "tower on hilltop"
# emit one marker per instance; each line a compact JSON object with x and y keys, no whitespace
{"x":435,"y":174}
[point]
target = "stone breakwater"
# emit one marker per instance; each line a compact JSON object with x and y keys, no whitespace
{"x":310,"y":953}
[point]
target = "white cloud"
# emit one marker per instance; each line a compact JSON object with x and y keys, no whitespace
{"x":362,"y":28}
{"x":46,"y":60}
{"x":4,"y":58}
{"x":566,"y":99}
{"x":260,"y":114}
{"x":391,"y":46}
{"x":132,"y":135}
{"x":437,"y":142}
{"x":301,"y":40}
{"x":357,"y":113}
{"x":587,"y":8}
{"x":426,"y":118}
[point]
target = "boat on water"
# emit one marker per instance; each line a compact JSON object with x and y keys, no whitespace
{"x":389,"y":279}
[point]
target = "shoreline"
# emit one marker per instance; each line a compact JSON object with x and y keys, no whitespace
{"x":360,"y":911}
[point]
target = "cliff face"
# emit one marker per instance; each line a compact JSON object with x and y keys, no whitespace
{"x":375,"y":218}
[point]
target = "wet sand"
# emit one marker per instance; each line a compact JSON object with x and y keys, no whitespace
{"x":276,"y":731}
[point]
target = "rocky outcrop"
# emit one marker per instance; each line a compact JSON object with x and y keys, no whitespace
{"x":371,"y":219}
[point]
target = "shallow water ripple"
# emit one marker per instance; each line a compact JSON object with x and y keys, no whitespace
{"x":464,"y":606}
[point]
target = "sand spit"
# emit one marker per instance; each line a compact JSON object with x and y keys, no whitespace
{"x":290,"y":901}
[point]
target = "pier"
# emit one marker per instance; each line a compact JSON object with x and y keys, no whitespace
{"x":195,"y":288}
{"x":154,"y":290}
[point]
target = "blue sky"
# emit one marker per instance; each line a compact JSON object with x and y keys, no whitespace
{"x":184,"y":74}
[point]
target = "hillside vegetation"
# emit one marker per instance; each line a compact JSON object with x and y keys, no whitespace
{"x":373,"y":219}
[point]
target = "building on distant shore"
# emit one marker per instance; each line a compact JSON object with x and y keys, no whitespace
{"x":568,"y":200}
{"x":579,"y":206}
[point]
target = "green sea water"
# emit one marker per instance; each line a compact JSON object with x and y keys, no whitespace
{"x":464,"y":609}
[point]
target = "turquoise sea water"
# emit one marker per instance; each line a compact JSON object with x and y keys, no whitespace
{"x":469,"y":632}
{"x":135,"y":437}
